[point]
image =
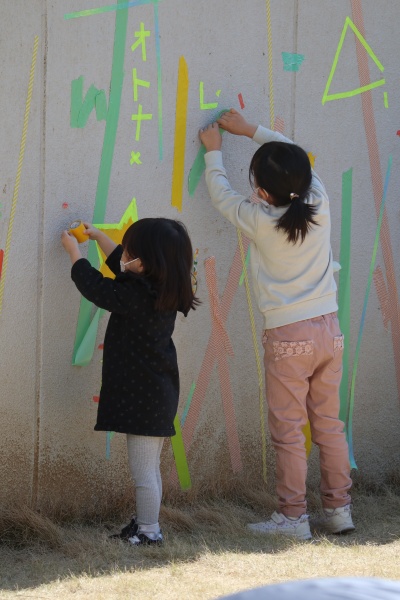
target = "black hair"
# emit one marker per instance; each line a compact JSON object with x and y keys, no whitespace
{"x":165,"y":250}
{"x":282,"y":169}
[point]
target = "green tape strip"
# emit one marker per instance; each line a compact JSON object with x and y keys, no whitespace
{"x":345,"y":288}
{"x":110,"y":8}
{"x":362,"y":321}
{"x":199,"y":164}
{"x":180,"y":457}
{"x":385,"y":100}
{"x":103,"y":182}
{"x":326,"y":97}
{"x":82,"y":107}
{"x":356,"y":92}
{"x":85,"y":351}
{"x":246,"y":264}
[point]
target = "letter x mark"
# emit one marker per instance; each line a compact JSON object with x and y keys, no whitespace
{"x":135,"y":158}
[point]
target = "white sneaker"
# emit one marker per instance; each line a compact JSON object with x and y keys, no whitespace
{"x":338,"y":520}
{"x":278,"y":523}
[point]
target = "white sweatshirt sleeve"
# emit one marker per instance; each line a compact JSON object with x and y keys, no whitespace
{"x":233,"y":206}
{"x":264,"y":135}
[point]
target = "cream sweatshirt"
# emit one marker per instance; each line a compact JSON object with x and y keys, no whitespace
{"x":291,"y":282}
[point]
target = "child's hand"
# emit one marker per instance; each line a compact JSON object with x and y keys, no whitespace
{"x":69,"y":242}
{"x":235,"y":123}
{"x":71,"y":246}
{"x":91,"y":231}
{"x":211,"y":137}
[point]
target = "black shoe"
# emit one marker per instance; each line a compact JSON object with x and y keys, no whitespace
{"x":146,"y":539}
{"x":127,"y":532}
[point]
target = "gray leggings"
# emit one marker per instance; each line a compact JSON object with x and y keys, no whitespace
{"x":144,"y":463}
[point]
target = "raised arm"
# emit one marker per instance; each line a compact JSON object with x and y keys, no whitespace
{"x":235,"y":207}
{"x":105,"y":243}
{"x":114,"y":296}
{"x":235,"y":123}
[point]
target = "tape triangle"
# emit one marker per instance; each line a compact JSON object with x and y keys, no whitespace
{"x":327,"y":96}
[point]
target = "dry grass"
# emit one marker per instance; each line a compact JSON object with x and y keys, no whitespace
{"x":208,"y":551}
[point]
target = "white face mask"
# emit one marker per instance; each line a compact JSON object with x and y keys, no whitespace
{"x":255,"y":197}
{"x":123,"y":265}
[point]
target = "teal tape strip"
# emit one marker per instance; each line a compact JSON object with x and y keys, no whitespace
{"x":199,"y":164}
{"x":187,"y":405}
{"x":362,"y":322}
{"x":345,"y":288}
{"x":109,"y":437}
{"x":292,"y":62}
{"x":180,"y":457}
{"x":103,"y":181}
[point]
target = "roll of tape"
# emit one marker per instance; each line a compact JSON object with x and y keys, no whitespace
{"x":77,"y":229}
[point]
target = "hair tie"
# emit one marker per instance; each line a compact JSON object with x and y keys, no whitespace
{"x":293,"y":195}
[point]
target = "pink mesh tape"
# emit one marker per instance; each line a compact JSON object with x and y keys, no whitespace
{"x":279,"y":125}
{"x":382,"y":294}
{"x":218,"y":324}
{"x":392,"y":308}
{"x":210,"y":355}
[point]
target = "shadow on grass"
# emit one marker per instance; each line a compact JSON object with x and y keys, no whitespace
{"x":40,"y":548}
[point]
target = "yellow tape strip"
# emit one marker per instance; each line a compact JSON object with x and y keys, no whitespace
{"x":182,"y":93}
{"x":271,"y":82}
{"x":19,"y":169}
{"x":257,"y":354}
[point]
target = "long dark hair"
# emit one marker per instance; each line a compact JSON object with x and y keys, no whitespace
{"x":282,"y":169}
{"x":165,"y":250}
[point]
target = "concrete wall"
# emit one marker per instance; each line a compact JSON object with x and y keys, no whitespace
{"x":50,"y":171}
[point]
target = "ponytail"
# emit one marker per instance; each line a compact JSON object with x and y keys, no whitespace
{"x":296,"y":222}
{"x":283,"y":170}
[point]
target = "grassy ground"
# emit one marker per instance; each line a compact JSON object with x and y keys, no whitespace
{"x":207,"y":552}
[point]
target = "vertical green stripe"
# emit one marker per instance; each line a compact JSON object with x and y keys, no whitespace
{"x":180,"y":457}
{"x":246,"y":265}
{"x":103,"y":182}
{"x":344,"y":288}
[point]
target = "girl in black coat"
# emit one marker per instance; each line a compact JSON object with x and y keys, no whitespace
{"x":140,"y":379}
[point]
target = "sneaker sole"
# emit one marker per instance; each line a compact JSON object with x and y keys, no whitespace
{"x":319,"y":528}
{"x":303,"y":537}
{"x":146,"y":544}
{"x":343,"y":531}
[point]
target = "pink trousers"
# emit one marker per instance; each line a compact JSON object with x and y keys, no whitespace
{"x":303,"y":369}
